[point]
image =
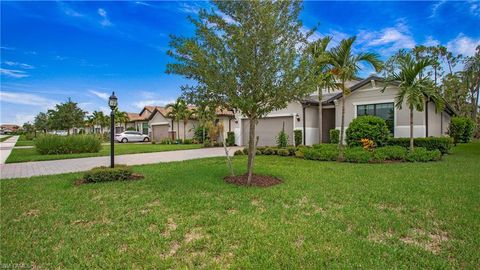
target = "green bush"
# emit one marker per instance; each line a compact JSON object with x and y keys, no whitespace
{"x":291,"y":150}
{"x":389,"y":153}
{"x":324,"y":152}
{"x":461,"y":129}
{"x":230,"y":138}
{"x":106,"y":174}
{"x":131,"y":129}
{"x":245,"y":151}
{"x":283,"y":152}
{"x":334,"y":136}
{"x":187,"y":141}
{"x":421,"y":154}
{"x":369,"y":127}
{"x":298,"y":137}
{"x":238,"y":153}
{"x":30,"y":136}
{"x":198,"y":134}
{"x":166,"y":141}
{"x":357,"y":155}
{"x":444,"y":144}
{"x":282,"y":139}
{"x":261,"y":148}
{"x":269,"y":151}
{"x":54,"y":144}
{"x":258,"y":152}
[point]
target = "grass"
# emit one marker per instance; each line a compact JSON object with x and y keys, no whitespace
{"x":183,"y":215}
{"x":30,"y":154}
{"x":5,"y":138}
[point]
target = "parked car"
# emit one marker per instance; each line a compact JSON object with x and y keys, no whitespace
{"x":131,"y":136}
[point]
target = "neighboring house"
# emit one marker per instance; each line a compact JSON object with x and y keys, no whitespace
{"x":7,"y":128}
{"x":365,"y":98}
{"x":154,"y":121}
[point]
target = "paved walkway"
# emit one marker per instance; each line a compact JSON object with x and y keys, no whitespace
{"x":6,"y":148}
{"x":36,"y":168}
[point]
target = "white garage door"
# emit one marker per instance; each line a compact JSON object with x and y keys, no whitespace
{"x":267,"y":130}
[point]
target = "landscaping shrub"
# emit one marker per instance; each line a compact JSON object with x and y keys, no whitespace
{"x":207,"y":143}
{"x":245,"y":151}
{"x":166,"y":141}
{"x":238,"y":153}
{"x":54,"y":144}
{"x":29,"y":136}
{"x":261,"y":148}
{"x":367,"y":127}
{"x":258,"y":152}
{"x":367,"y":144}
{"x":131,"y":129}
{"x":357,"y":155}
{"x":461,"y":129}
{"x":230,"y":138}
{"x":198,"y":134}
{"x":282,"y":139}
{"x":283,"y":152}
{"x":187,"y":141}
{"x":298,"y":137}
{"x":154,"y":142}
{"x":334,"y":136}
{"x":389,"y":153}
{"x":105,"y":174}
{"x":421,"y":154}
{"x":443,"y":144}
{"x":269,"y":151}
{"x":324,"y":152}
{"x":291,"y":150}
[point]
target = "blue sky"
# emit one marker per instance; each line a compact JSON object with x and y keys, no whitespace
{"x":83,"y":50}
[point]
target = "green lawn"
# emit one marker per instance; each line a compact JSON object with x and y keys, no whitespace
{"x":5,"y":138}
{"x":24,"y":143}
{"x":182,"y":215}
{"x":30,"y":154}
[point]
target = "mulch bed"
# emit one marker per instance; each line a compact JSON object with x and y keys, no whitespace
{"x":135,"y":176}
{"x":257,"y":180}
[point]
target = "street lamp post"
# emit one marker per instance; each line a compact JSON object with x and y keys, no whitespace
{"x":112,"y":102}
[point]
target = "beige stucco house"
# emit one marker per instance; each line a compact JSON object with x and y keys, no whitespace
{"x":366,"y":98}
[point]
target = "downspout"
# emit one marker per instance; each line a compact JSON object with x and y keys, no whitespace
{"x":426,"y":118}
{"x":304,"y":126}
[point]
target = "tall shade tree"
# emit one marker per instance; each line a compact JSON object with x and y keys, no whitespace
{"x":41,"y":122}
{"x":345,"y":66}
{"x":415,"y":89}
{"x":66,"y":116}
{"x":177,"y":110}
{"x":471,"y":73}
{"x":324,"y":78}
{"x":251,"y":58}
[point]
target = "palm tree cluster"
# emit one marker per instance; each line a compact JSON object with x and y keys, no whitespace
{"x":179,"y":111}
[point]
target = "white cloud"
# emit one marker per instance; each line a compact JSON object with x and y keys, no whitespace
{"x":474,"y":7}
{"x":463,"y":45}
{"x":26,"y":99}
{"x":17,"y":64}
{"x":389,"y":39}
{"x":105,"y":21}
{"x":101,"y":95}
{"x":187,"y":8}
{"x":430,"y":41}
{"x":435,"y":7}
{"x":23,"y":118}
{"x":67,"y":10}
{"x":13,"y":73}
{"x":154,"y":102}
{"x":314,"y":36}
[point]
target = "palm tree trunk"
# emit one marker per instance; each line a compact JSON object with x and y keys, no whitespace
{"x":320,"y":115}
{"x":184,"y":130}
{"x":342,"y":126}
{"x":251,"y":150}
{"x":178,"y":130}
{"x":411,"y":128}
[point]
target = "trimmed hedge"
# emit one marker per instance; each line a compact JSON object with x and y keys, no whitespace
{"x":389,"y":153}
{"x":298,"y":137}
{"x":55,"y":144}
{"x":367,"y":127}
{"x":358,"y":155}
{"x":283,"y":152}
{"x":443,"y":144}
{"x":334,"y":136}
{"x":461,"y":129}
{"x":238,"y":153}
{"x":230,"y":138}
{"x":106,"y":174}
{"x":421,"y":154}
{"x":325,"y":152}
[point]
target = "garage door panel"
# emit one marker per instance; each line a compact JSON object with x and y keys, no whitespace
{"x":160,"y":132}
{"x":267,"y":130}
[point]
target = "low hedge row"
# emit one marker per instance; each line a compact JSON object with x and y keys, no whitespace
{"x":443,"y":144}
{"x":55,"y":144}
{"x":329,"y":152}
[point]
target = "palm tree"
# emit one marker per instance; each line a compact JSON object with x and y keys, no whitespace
{"x":415,"y":89}
{"x":177,"y":109}
{"x":204,"y":113}
{"x":99,"y":119}
{"x":325,"y":79}
{"x":186,"y":115}
{"x":344,"y":66}
{"x":120,"y":117}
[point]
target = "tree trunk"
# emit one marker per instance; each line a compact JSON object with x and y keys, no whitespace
{"x":411,"y":128}
{"x":320,"y":115}
{"x":229,"y":161}
{"x":342,"y":127}
{"x":184,"y":131}
{"x":251,"y":149}
{"x":178,"y":130}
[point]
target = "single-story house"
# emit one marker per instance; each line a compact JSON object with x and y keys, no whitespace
{"x":154,"y":121}
{"x":366,"y":98}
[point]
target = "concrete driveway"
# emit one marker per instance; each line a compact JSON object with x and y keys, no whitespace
{"x":6,"y":148}
{"x":36,"y":168}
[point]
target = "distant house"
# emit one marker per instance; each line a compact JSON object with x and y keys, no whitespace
{"x":8,"y":128}
{"x":154,"y":121}
{"x":365,"y":98}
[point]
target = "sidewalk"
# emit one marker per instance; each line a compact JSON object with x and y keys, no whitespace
{"x":6,"y":148}
{"x":36,"y":168}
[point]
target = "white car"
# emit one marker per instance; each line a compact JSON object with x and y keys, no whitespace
{"x":131,"y":136}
